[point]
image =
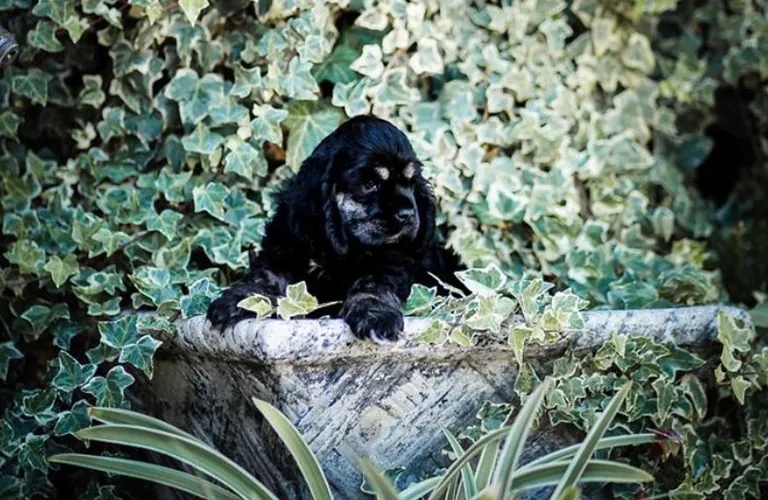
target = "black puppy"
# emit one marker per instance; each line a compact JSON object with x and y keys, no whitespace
{"x":357,"y":224}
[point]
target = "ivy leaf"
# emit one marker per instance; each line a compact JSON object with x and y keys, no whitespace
{"x":196,"y":96}
{"x":483,"y":281}
{"x":118,"y":334}
{"x":308,"y":123}
{"x":638,"y":53}
{"x":266,"y":125}
{"x":59,"y":11}
{"x":62,"y":269}
{"x":193,"y":8}
{"x":32,"y":452}
{"x":202,"y":141}
{"x":734,"y":339}
{"x":228,"y":111}
{"x":166,"y":223}
{"x":39,"y":317}
{"x":91,"y":94}
{"x":336,"y":68}
{"x":109,"y":391}
{"x":141,"y":354}
{"x":109,"y":307}
{"x":38,"y":402}
{"x":71,"y":374}
{"x":201,"y":293}
{"x":210,"y":199}
{"x":420,"y":300}
{"x":27,"y":255}
{"x":298,"y":82}
{"x":73,"y":420}
{"x":33,"y":84}
{"x":369,"y":63}
{"x":9,"y":124}
{"x":296,"y":302}
{"x":246,"y":81}
{"x":102,"y":353}
{"x":245,"y":160}
{"x":739,"y":385}
{"x":43,"y":37}
{"x":258,"y":304}
{"x":678,"y":360}
{"x":529,"y":293}
{"x":75,"y":26}
{"x":155,"y":284}
{"x":8,"y":352}
{"x":64,"y":331}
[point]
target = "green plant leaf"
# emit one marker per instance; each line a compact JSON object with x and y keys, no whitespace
{"x":33,"y":84}
{"x":734,"y":339}
{"x":62,"y":269}
{"x":193,"y":8}
{"x":420,"y":300}
{"x":73,"y":420}
{"x":595,"y":471}
{"x":308,"y":123}
{"x":9,"y":124}
{"x":56,"y":10}
{"x":110,"y":390}
{"x":384,"y":488}
{"x":8,"y":352}
{"x":485,"y":281}
{"x":297,"y":301}
{"x":258,"y":304}
{"x":579,"y":461}
{"x":467,"y":477}
{"x":121,"y":416}
{"x":162,"y":475}
{"x":141,"y":354}
{"x":605,"y":443}
{"x":202,"y":141}
{"x":189,"y":451}
{"x":306,"y":460}
{"x":72,"y":374}
{"x":43,"y":37}
{"x":513,"y":447}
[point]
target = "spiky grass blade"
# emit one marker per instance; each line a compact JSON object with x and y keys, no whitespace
{"x":119,"y":416}
{"x":189,"y":451}
{"x":467,"y":477}
{"x":308,"y":463}
{"x":383,"y":487}
{"x":188,"y":483}
{"x":579,"y":461}
{"x":513,"y":446}
{"x":605,"y":443}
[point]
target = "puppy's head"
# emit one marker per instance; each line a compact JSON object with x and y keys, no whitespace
{"x":375,"y":194}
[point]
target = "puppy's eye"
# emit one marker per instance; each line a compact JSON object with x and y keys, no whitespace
{"x":370,"y":187}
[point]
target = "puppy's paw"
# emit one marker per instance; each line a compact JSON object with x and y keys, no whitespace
{"x":374,"y":318}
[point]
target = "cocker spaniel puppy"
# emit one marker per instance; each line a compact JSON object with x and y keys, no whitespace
{"x":357,"y":224}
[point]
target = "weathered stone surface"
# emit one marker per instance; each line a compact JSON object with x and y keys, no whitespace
{"x":353,"y":399}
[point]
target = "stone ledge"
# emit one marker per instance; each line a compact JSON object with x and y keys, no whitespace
{"x":309,"y":342}
{"x":352,"y":399}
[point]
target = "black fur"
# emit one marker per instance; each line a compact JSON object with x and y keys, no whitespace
{"x":337,"y":228}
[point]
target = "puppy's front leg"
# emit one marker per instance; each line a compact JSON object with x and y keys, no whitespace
{"x":271,"y":283}
{"x":373,"y":308}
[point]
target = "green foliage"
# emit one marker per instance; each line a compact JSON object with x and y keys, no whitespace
{"x":137,"y":430}
{"x":140,"y":146}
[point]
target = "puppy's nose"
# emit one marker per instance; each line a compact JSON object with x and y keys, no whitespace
{"x":404,"y":214}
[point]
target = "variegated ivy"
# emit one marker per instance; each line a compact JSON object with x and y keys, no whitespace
{"x":140,"y":142}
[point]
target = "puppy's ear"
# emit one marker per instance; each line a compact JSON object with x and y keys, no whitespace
{"x":427,"y":206}
{"x":333,"y":226}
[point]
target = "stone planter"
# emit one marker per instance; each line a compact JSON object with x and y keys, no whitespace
{"x":352,"y":399}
